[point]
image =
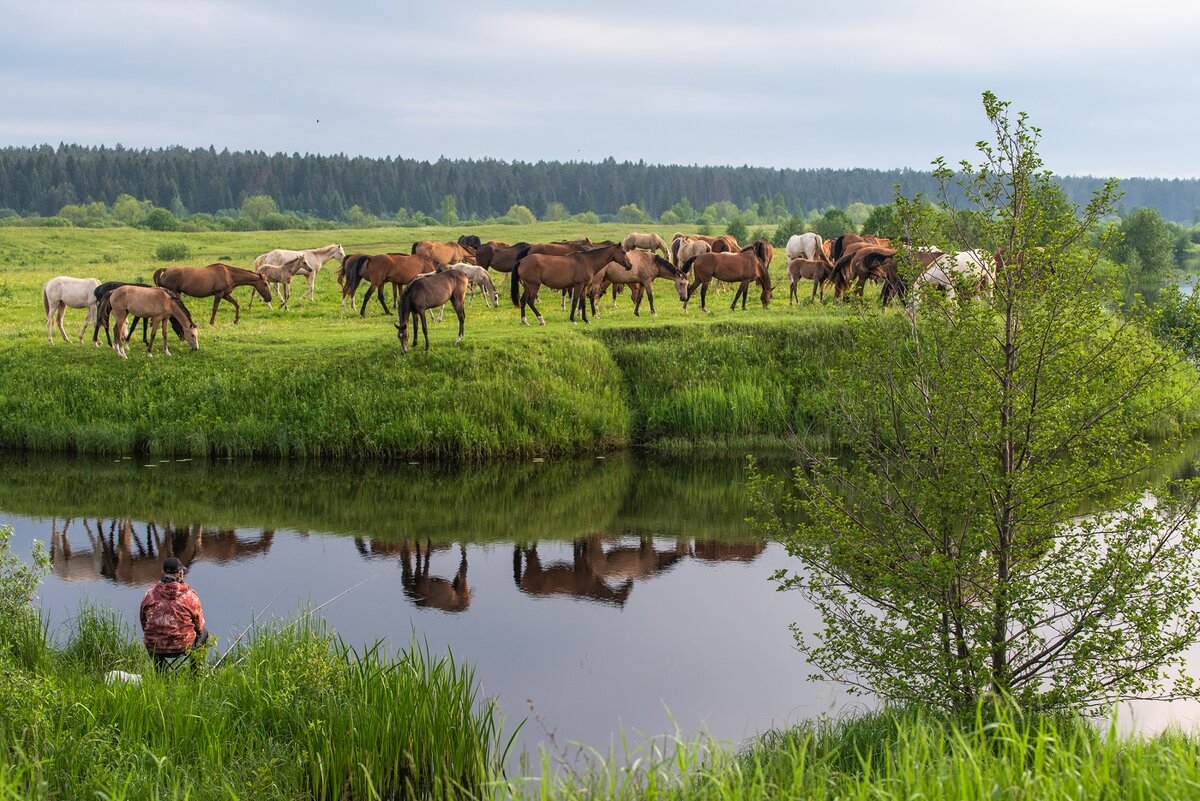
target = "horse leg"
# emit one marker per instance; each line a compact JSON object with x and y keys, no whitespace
{"x":425,"y":331}
{"x":441,"y":312}
{"x":379,"y":296}
{"x":531,"y":301}
{"x":704,"y":297}
{"x":460,"y":311}
{"x":91,"y":315}
{"x":649,"y":297}
{"x":61,"y":310}
{"x":153,"y":332}
{"x":119,"y":328}
{"x":363,"y":311}
{"x":216,"y":302}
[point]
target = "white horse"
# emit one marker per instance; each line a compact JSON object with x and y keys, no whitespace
{"x":313,"y":259}
{"x":476,"y":277}
{"x":976,"y":268}
{"x":809,"y":246}
{"x":64,"y":291}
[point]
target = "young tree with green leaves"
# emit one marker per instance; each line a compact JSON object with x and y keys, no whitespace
{"x":991,"y":536}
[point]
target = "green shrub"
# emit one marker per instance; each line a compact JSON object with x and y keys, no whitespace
{"x":172,"y":251}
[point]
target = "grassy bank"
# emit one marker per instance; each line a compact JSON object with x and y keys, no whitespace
{"x":292,"y":713}
{"x":320,"y":382}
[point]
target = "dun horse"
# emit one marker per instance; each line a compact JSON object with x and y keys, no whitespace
{"x":425,"y":292}
{"x":748,"y":264}
{"x":216,"y":281}
{"x":104,"y":312}
{"x":444,"y":253}
{"x":572,"y":271}
{"x":650,"y":242}
{"x":818,"y":271}
{"x":156,"y":304}
{"x":64,"y":291}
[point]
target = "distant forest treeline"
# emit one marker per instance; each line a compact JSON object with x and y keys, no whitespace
{"x":41,"y":180}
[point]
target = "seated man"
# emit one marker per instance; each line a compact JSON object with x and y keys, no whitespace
{"x":172,"y":620}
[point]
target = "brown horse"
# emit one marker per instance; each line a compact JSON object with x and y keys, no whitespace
{"x":572,"y":271}
{"x":817,"y":271}
{"x":444,"y":253}
{"x":499,"y":256}
{"x":394,"y":268}
{"x":426,"y":292}
{"x":747,"y":265}
{"x":216,"y":281}
{"x":155,"y":304}
{"x":646,"y":267}
{"x":448,"y":595}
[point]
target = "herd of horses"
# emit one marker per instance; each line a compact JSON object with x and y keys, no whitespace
{"x":433,"y":274}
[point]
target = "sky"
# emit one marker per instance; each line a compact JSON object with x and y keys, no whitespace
{"x":859,"y":83}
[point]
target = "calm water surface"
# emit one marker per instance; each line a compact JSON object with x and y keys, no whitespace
{"x":594,"y":599}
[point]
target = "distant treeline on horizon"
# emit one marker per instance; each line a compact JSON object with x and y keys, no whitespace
{"x":43,"y":179}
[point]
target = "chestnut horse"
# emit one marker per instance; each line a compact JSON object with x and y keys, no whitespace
{"x":394,"y":268}
{"x":424,"y":292}
{"x":818,"y":271}
{"x":216,"y":281}
{"x":748,"y":264}
{"x":571,"y":271}
{"x":154,"y":303}
{"x":104,"y":312}
{"x":646,"y":267}
{"x":444,"y":253}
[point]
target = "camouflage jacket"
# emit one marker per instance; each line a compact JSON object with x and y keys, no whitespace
{"x":171,"y":617}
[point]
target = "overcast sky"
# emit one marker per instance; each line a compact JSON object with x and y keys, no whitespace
{"x":1113,"y":85}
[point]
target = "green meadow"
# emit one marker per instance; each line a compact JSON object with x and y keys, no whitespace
{"x":320,"y":381}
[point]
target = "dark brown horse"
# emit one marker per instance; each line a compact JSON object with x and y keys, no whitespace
{"x":104,"y":312}
{"x":157,"y":305}
{"x":572,"y":271}
{"x":394,"y":268}
{"x":499,"y":256}
{"x":216,"y":281}
{"x":748,"y":264}
{"x":426,"y":292}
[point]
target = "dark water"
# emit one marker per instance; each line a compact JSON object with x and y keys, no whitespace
{"x":619,"y":596}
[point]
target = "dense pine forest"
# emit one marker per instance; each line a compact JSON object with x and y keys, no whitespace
{"x":42,"y":180}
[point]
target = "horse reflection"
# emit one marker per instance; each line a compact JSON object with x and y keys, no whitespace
{"x":717,"y":551}
{"x":594,"y":572}
{"x":430,"y":592}
{"x":125,"y":556}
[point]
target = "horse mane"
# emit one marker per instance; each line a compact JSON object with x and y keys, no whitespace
{"x":687,"y":265}
{"x":178,"y":301}
{"x":661,"y":262}
{"x":158,"y":275}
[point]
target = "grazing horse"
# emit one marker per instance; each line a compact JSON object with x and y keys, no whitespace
{"x":726,"y":243}
{"x":448,"y":595}
{"x":973,"y":267}
{"x":818,"y":271}
{"x":279,"y":279}
{"x":477,"y":277}
{"x":499,"y":256}
{"x":64,"y":291}
{"x":216,"y":281}
{"x":104,"y":312}
{"x":808,"y":246}
{"x":747,"y":265}
{"x":469,"y":241}
{"x":651,"y":242}
{"x":313,"y":259}
{"x":157,"y":304}
{"x":444,"y":253}
{"x":571,"y":271}
{"x":686,"y":248}
{"x":395,"y":268}
{"x":423,"y":293}
{"x":578,"y":578}
{"x":646,"y":267}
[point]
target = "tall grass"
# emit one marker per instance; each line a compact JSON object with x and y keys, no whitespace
{"x":292,"y":713}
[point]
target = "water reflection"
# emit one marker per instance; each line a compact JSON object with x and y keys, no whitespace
{"x":432,"y":592}
{"x":123,"y":555}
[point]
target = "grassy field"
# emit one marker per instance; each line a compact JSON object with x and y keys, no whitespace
{"x":319,"y":382}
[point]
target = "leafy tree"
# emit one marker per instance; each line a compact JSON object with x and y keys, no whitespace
{"x":1147,"y":245}
{"x":129,"y":210}
{"x":555,"y":212}
{"x":448,"y":210}
{"x":519,"y":215}
{"x":669,"y":217}
{"x":960,"y":554}
{"x":631,"y":213}
{"x":256,"y":207}
{"x":833,"y":223}
{"x":684,"y":211}
{"x":858,"y":212}
{"x":161,"y":220}
{"x":882,"y":221}
{"x":738,"y":230}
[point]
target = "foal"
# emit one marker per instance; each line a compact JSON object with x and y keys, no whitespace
{"x":424,"y":292}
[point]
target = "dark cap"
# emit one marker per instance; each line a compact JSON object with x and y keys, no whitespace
{"x":172,"y":565}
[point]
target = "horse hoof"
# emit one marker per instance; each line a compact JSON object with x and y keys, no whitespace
{"x":541,"y":321}
{"x":524,"y":321}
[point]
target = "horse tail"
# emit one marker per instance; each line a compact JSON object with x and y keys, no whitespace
{"x":414,"y":248}
{"x":354,"y":274}
{"x":524,"y":250}
{"x":46,"y":300}
{"x":158,"y":275}
{"x":516,"y":283}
